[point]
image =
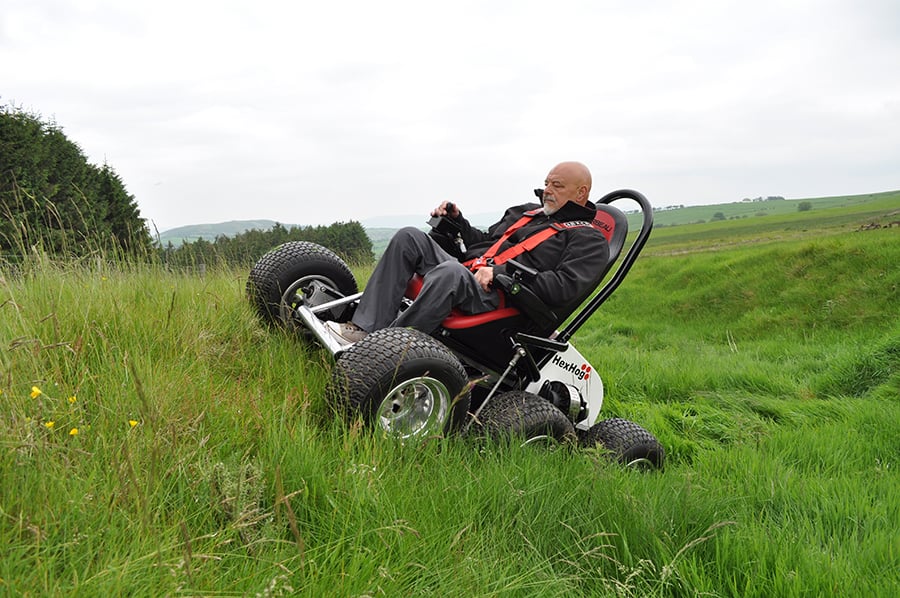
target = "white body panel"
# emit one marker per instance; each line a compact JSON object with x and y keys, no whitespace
{"x":570,"y":367}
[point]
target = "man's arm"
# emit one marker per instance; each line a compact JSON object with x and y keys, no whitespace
{"x":474,"y":237}
{"x":576,"y":271}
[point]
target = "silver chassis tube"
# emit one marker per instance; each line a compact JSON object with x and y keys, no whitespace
{"x":317,"y":326}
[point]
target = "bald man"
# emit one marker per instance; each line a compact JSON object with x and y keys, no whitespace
{"x":567,"y":260}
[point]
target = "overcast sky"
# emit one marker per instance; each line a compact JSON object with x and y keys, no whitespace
{"x":316,"y":112}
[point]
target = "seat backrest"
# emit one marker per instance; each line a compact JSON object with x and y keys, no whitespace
{"x":613,"y":223}
{"x":616,"y":244}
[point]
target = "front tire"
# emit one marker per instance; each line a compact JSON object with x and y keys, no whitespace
{"x":402,"y":382}
{"x":293,"y":273}
{"x":627,"y":443}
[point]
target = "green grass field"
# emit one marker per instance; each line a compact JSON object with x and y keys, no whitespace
{"x":155,"y":439}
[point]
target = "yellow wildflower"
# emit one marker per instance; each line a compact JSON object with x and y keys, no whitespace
{"x":132,"y":422}
{"x":73,"y":432}
{"x":49,"y":425}
{"x":35,"y":392}
{"x":72,"y":399}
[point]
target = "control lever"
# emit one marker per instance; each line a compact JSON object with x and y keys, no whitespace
{"x":446,"y":226}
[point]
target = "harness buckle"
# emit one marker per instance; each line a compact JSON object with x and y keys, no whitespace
{"x":481,"y":262}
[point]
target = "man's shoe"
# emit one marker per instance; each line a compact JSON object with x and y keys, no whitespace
{"x":346,"y":333}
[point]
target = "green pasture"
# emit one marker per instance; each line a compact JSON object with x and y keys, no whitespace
{"x":156,"y":440}
{"x":795,"y":208}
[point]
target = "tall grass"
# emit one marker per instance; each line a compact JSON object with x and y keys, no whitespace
{"x":191,"y":450}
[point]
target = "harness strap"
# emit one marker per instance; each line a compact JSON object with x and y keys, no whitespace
{"x":489,"y":257}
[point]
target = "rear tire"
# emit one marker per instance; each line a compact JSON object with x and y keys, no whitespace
{"x":627,"y":442}
{"x":520,"y":415}
{"x":402,"y":382}
{"x":296,"y":272}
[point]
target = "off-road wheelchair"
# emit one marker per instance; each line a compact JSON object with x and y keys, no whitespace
{"x":510,"y":373}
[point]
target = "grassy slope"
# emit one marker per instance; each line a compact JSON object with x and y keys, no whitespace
{"x":767,"y":360}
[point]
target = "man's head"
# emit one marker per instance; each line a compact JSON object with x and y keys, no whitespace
{"x":567,"y":181}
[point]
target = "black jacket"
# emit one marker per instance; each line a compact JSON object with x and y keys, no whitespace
{"x":570,"y":263}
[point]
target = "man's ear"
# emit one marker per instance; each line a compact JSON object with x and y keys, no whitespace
{"x":583,"y":193}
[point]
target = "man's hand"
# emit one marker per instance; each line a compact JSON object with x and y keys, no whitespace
{"x":446,"y":208}
{"x":485,"y":277}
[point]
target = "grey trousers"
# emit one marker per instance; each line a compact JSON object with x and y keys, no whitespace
{"x":447,"y":284}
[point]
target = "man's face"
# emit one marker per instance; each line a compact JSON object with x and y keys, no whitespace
{"x":561,"y":187}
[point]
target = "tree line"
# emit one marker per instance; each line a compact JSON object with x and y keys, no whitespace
{"x":54,"y":201}
{"x":349,"y":240}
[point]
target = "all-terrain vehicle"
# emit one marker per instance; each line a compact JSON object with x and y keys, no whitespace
{"x":507,"y":373}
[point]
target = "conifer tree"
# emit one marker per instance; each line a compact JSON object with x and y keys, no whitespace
{"x":51,"y":197}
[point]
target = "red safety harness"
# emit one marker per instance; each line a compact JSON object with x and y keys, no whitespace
{"x":602,"y":222}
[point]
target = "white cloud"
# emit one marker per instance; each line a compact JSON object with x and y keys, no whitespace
{"x":313,"y":112}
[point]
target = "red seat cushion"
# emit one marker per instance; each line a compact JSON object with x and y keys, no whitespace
{"x":457,"y":319}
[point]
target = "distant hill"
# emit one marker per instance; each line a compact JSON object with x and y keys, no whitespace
{"x":378,"y":229}
{"x":190,"y":233}
{"x":396,"y":221}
